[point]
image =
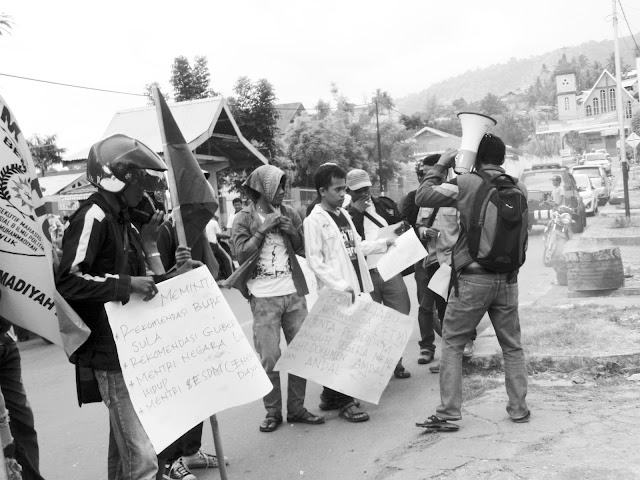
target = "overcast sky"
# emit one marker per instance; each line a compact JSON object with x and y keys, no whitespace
{"x":300,"y":46}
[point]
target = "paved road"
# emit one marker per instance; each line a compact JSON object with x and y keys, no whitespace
{"x":74,"y":440}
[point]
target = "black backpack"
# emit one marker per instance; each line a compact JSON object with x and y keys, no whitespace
{"x":498,"y":231}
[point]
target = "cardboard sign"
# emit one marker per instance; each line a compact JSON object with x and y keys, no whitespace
{"x":184,"y":356}
{"x":350,"y":347}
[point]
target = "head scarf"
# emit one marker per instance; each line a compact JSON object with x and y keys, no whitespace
{"x":265,"y":180}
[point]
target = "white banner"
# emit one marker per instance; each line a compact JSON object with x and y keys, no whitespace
{"x":184,"y":356}
{"x":350,"y":347}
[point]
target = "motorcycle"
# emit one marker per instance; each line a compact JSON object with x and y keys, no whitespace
{"x":556,"y":234}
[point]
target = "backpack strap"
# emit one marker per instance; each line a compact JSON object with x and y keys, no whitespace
{"x":373,"y":219}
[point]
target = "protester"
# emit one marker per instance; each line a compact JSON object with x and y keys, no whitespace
{"x":479,"y":291}
{"x":369,"y":215}
{"x":336,"y":254}
{"x":237,"y":207}
{"x":17,"y":425}
{"x":557,"y":194}
{"x":267,"y":235}
{"x":104,"y":260}
{"x":220,"y":250}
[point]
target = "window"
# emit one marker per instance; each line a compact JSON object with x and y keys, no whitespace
{"x":596,"y":106}
{"x":612,"y":100}
{"x":588,"y":110}
{"x":603,"y":100}
{"x":628,"y":111}
{"x":566,"y":103}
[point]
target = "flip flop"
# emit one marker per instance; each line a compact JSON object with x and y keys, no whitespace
{"x":524,"y":419}
{"x":436,"y":424}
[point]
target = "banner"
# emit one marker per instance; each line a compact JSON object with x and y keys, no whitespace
{"x":184,"y":356}
{"x":350,"y":347}
{"x":29,"y":298}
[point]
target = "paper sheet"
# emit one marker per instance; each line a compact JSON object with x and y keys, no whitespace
{"x":439,"y":282}
{"x":405,"y":252}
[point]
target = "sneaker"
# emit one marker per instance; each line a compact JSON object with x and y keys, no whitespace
{"x":435,"y":368}
{"x":14,"y":470}
{"x":201,"y":459}
{"x":469,"y":348}
{"x":178,"y":470}
{"x":425,"y":357}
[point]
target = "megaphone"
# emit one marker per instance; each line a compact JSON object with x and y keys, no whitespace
{"x":474,"y":127}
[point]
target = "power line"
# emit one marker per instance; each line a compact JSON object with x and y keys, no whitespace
{"x":629,"y":27}
{"x":72,"y":86}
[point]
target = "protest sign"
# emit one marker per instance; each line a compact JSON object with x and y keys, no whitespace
{"x":29,"y":298}
{"x":183,"y":356}
{"x":349,"y":347}
{"x":406,"y":251}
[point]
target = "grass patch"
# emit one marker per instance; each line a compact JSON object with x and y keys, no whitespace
{"x":622,"y":221}
{"x":579,"y":329}
{"x":474,"y":386}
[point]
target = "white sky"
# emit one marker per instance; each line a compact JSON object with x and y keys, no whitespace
{"x":300,"y":46}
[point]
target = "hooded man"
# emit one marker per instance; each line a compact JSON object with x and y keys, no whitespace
{"x":266,"y":236}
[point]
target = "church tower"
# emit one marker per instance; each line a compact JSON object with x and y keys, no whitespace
{"x":566,"y":90}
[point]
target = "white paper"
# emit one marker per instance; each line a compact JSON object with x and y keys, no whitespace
{"x":405,"y":252}
{"x":439,"y":282}
{"x":184,"y":356}
{"x":350,"y":347}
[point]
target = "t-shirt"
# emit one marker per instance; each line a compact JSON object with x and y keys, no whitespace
{"x":212,"y":230}
{"x":231,"y":219}
{"x":272,"y":276}
{"x":348,"y":237}
{"x":557,"y":193}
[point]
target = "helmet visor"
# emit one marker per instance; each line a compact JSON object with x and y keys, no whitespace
{"x":146,"y":179}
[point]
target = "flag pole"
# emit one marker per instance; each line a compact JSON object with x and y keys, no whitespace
{"x":182,"y":240}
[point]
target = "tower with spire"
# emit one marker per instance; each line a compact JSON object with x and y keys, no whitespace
{"x":566,"y":95}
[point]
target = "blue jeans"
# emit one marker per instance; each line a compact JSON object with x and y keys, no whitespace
{"x":21,"y":422}
{"x":497,"y":294}
{"x":131,"y":454}
{"x":270,"y":314}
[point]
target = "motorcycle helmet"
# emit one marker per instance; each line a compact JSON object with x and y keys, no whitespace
{"x":118,"y":161}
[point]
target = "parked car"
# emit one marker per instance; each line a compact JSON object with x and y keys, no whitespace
{"x":597,"y":159}
{"x":588,"y":192}
{"x":606,"y":153}
{"x":599,"y":178}
{"x":537,"y":179}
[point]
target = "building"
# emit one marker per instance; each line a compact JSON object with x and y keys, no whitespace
{"x":592,"y":113}
{"x":288,"y":113}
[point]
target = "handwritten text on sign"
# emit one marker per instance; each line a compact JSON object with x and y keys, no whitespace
{"x":351,"y":348}
{"x":184,"y":356}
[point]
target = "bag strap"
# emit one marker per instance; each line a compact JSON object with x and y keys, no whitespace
{"x":432,"y":217}
{"x":373,"y":219}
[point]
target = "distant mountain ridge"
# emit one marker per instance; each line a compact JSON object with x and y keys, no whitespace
{"x":502,"y":78}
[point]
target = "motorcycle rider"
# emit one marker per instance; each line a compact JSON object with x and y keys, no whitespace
{"x":557,"y":194}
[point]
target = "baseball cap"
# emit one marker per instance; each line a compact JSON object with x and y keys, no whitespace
{"x":556,"y":177}
{"x":357,"y":179}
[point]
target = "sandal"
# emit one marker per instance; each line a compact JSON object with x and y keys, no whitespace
{"x":436,"y":424}
{"x":271,"y":422}
{"x":401,"y":372}
{"x":523,"y":419}
{"x":326,"y":405}
{"x":305,"y":416}
{"x":348,"y":414}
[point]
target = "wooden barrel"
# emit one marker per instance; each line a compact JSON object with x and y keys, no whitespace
{"x":594,"y":269}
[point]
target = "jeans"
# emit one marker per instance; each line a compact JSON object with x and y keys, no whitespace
{"x":21,"y":423}
{"x":497,"y":294}
{"x":270,"y":314}
{"x":392,"y":293}
{"x":426,"y":299}
{"x":131,"y":454}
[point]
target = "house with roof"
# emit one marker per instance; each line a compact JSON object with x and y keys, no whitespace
{"x":592,"y":113}
{"x":60,"y":189}
{"x":288,"y":113}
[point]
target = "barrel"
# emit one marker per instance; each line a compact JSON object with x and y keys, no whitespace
{"x":594,"y":269}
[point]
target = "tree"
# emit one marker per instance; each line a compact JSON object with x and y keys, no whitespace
{"x":148,"y":92}
{"x":543,"y":145}
{"x":459,"y":104}
{"x":514,"y":129}
{"x":413,"y":122}
{"x":254,"y":110}
{"x":491,"y":105}
{"x":44,"y":151}
{"x":576,"y":142}
{"x":191,"y":83}
{"x":201,"y":78}
{"x":6,"y":23}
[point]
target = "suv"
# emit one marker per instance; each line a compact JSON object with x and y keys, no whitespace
{"x":537,"y":179}
{"x":599,"y":179}
{"x":598,"y":159}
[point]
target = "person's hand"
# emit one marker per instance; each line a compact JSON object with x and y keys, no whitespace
{"x":430,"y":232}
{"x":286,"y":225}
{"x":271,"y":221}
{"x":182,"y":255}
{"x":448,"y":157}
{"x":188,"y":266}
{"x":150,"y":230}
{"x":362,"y":203}
{"x":404,"y":226}
{"x":390,"y":241}
{"x":144,"y":286}
{"x":352,"y":292}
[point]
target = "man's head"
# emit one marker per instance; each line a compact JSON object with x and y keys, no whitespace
{"x":491,"y":151}
{"x":426,"y":164}
{"x":556,"y":180}
{"x":329,"y":181}
{"x":266,"y":181}
{"x":237,"y":204}
{"x":358,"y":184}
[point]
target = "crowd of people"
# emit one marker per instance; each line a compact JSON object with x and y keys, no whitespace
{"x":106,"y":256}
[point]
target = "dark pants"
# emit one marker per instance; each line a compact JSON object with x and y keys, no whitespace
{"x":187,"y":444}
{"x":427,"y":299}
{"x":21,"y":417}
{"x":331,"y":396}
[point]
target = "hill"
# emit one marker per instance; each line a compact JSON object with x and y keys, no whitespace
{"x":515,"y":74}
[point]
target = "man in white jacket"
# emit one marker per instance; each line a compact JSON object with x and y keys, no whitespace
{"x":336,"y":254}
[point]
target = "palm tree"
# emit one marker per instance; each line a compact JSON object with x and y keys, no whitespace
{"x":6,"y":23}
{"x":45,"y":151}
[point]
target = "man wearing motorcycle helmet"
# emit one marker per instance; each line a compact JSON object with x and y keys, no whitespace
{"x":557,"y":194}
{"x":104,"y":258}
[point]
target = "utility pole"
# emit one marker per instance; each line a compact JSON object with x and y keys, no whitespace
{"x":621,"y":113}
{"x":379,"y":151}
